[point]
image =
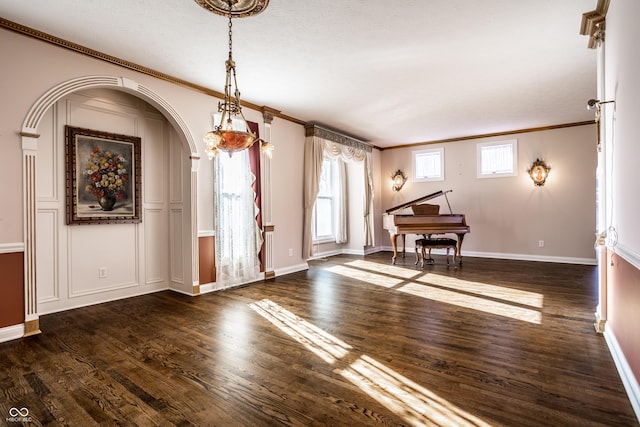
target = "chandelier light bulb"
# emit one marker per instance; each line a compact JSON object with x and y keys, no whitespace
{"x":267,"y":148}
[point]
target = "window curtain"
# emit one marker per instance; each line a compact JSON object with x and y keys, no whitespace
{"x":254,"y":162}
{"x":342,"y":214}
{"x":238,"y":234}
{"x":313,"y":155}
{"x":368,"y":202}
{"x":320,"y":142}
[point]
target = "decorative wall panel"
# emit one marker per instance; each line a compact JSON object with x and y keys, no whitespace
{"x":154,"y":163}
{"x":176,"y":170}
{"x":175,"y":239}
{"x":156,"y":248}
{"x":47,"y":255}
{"x":102,"y":258}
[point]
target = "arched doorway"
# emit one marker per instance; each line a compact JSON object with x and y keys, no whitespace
{"x":184,"y":219}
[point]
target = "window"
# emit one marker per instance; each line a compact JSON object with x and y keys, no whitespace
{"x":324,"y":229}
{"x":237,"y":235}
{"x":428,"y":165}
{"x":497,"y":159}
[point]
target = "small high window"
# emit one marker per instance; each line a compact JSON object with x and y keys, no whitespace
{"x":428,"y":165}
{"x":497,"y":159}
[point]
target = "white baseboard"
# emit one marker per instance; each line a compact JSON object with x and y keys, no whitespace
{"x":180,"y":291}
{"x":626,"y":375}
{"x":104,"y":300}
{"x":372,"y":250}
{"x":11,"y":332}
{"x":529,"y":257}
{"x":325,"y":254}
{"x":291,"y":269}
{"x":518,"y":257}
{"x":353,"y":252}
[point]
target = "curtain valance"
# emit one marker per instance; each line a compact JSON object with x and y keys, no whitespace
{"x":329,"y":135}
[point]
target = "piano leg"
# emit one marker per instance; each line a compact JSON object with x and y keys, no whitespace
{"x":457,"y":257}
{"x":394,"y":245}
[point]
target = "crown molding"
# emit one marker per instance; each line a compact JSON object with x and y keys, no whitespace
{"x":594,"y":22}
{"x":489,"y":135}
{"x":56,"y":41}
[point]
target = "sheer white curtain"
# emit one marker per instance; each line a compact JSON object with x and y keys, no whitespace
{"x":238,"y":237}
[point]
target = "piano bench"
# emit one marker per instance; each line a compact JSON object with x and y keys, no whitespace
{"x":422,"y":245}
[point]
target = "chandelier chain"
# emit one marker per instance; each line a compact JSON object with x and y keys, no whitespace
{"x":230,"y":33}
{"x":224,"y":137}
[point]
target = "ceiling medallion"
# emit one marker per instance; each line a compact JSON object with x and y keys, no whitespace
{"x":239,"y":9}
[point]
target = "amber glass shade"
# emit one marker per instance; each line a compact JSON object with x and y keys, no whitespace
{"x":235,"y":140}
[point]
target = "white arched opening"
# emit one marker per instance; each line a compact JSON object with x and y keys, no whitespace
{"x":30,"y":137}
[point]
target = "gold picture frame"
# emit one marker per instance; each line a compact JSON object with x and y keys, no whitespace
{"x":103,"y":177}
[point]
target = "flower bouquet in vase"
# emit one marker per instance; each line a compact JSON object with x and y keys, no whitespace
{"x":107,"y":177}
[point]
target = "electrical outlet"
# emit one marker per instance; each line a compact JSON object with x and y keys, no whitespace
{"x":102,"y":272}
{"x":541,"y":243}
{"x":290,"y":251}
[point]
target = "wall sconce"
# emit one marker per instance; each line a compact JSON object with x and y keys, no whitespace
{"x":595,"y":104}
{"x":539,"y":171}
{"x":399,"y":179}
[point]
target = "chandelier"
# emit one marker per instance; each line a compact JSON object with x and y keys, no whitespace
{"x":232,"y":135}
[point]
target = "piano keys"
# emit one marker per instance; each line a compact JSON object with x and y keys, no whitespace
{"x":400,"y":225}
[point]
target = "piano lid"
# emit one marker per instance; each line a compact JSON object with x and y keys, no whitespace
{"x":421,"y":199}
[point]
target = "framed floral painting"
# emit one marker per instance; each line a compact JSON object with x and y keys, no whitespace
{"x":103,"y":177}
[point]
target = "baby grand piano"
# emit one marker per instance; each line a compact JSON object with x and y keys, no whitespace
{"x":424,"y":224}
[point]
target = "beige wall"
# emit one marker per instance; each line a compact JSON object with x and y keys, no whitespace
{"x":622,"y":67}
{"x":287,"y":169}
{"x":622,"y":160}
{"x":509,"y":216}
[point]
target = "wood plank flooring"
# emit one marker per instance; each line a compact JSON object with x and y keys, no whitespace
{"x":354,"y":341}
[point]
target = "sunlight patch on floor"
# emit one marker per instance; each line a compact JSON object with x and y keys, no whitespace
{"x":412,"y":402}
{"x":532,"y":299}
{"x":365,"y":276}
{"x":392,"y":270}
{"x":472,"y":302}
{"x":457,"y":292}
{"x":319,"y":342}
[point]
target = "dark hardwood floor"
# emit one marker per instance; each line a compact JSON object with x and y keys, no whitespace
{"x":354,"y":341}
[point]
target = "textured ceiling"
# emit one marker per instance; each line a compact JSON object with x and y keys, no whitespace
{"x":425,"y":70}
